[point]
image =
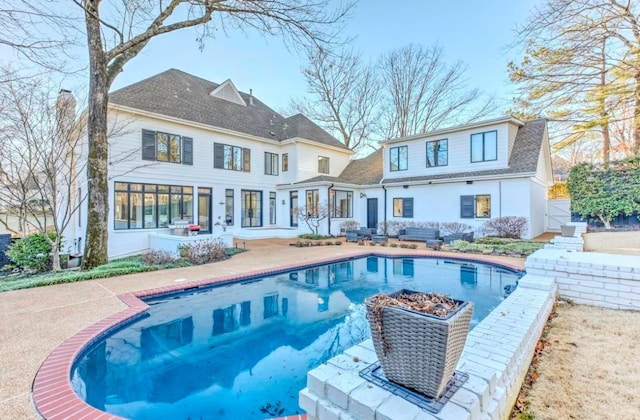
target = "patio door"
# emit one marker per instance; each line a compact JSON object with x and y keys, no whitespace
{"x":204,"y":209}
{"x":251,"y":208}
{"x":293,"y":205}
{"x":372,"y":213}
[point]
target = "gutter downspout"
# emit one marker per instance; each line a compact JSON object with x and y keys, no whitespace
{"x":384,"y":205}
{"x":499,"y":198}
{"x":329,"y":202}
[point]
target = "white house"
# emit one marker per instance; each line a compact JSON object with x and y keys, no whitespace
{"x":186,"y":148}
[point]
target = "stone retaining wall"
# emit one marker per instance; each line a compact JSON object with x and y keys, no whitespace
{"x":496,"y":357}
{"x":608,"y":280}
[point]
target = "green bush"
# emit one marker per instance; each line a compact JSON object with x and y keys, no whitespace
{"x":499,"y":245}
{"x":313,"y":236}
{"x":31,"y":252}
{"x":604,"y":192}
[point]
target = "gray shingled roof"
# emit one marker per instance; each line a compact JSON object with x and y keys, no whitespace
{"x":523,"y":159}
{"x":365,"y":171}
{"x":180,"y":95}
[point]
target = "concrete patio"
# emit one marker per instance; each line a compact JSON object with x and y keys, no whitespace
{"x":35,"y":321}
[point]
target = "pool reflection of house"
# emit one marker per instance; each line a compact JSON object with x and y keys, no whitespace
{"x":202,"y":328}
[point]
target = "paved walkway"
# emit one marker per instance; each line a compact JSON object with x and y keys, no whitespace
{"x":33,"y":322}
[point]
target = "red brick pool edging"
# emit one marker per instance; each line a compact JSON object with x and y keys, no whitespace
{"x":52,"y":393}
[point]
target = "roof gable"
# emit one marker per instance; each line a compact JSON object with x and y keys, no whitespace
{"x":227,"y":91}
{"x":177,"y":94}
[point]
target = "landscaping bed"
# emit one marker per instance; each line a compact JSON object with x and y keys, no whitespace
{"x":136,"y":264}
{"x":496,"y":246}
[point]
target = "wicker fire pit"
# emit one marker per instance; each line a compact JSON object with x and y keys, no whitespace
{"x":417,"y":350}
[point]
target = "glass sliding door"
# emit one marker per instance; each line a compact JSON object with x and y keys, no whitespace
{"x":204,"y":209}
{"x":251,"y":208}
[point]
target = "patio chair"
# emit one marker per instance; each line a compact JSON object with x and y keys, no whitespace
{"x":353,"y":235}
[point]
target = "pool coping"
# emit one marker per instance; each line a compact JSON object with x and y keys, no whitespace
{"x":52,"y":394}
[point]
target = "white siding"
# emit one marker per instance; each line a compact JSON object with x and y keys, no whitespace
{"x":307,"y":161}
{"x":441,"y":202}
{"x":459,"y":154}
{"x":128,"y":166}
{"x":512,"y":132}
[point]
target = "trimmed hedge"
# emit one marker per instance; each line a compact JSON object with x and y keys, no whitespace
{"x":604,"y":192}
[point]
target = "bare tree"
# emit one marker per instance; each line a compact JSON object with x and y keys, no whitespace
{"x":422,"y":92}
{"x":119,"y":31}
{"x":39,"y":33}
{"x":344,"y":95}
{"x":312,"y":215}
{"x":42,"y":138}
{"x":582,"y":65}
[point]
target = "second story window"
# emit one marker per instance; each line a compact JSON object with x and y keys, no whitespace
{"x":484,"y":146}
{"x":398,"y":158}
{"x":323,"y":164}
{"x":234,"y":158}
{"x":270,"y":163}
{"x":285,"y":162}
{"x":166,"y":147}
{"x":437,"y":153}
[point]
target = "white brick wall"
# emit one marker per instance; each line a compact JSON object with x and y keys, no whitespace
{"x":496,"y":357}
{"x":607,"y":280}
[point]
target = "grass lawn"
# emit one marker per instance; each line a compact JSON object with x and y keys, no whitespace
{"x":588,"y":368}
{"x":119,"y":267}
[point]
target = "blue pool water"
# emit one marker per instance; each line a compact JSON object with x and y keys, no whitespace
{"x":242,"y":350}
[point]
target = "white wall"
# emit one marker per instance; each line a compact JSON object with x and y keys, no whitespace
{"x":307,"y":161}
{"x":441,"y":202}
{"x":459,"y":155}
{"x":128,"y":166}
{"x":538,"y":222}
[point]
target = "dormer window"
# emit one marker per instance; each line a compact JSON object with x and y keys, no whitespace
{"x":484,"y":146}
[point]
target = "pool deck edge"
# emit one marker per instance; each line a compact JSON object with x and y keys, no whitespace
{"x":52,"y":392}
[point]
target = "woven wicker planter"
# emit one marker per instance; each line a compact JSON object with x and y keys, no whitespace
{"x":423,"y":349}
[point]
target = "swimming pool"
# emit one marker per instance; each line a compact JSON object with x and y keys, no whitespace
{"x":242,"y":350}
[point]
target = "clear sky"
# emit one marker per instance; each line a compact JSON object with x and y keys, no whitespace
{"x":476,"y":32}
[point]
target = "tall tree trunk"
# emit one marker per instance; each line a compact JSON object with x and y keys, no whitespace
{"x":95,"y":250}
{"x":606,"y":143}
{"x":636,"y":114}
{"x":602,"y":104}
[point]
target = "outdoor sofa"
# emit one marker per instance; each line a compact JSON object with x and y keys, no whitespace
{"x":355,"y":235}
{"x":418,"y":234}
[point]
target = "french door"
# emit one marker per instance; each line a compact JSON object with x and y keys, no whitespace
{"x":251,"y":208}
{"x":204,"y":209}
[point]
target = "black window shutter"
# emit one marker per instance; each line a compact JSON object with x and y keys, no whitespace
{"x":148,"y":145}
{"x":187,"y":151}
{"x":218,"y":155}
{"x":407,"y":207}
{"x":246,"y":159}
{"x":467,"y":206}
